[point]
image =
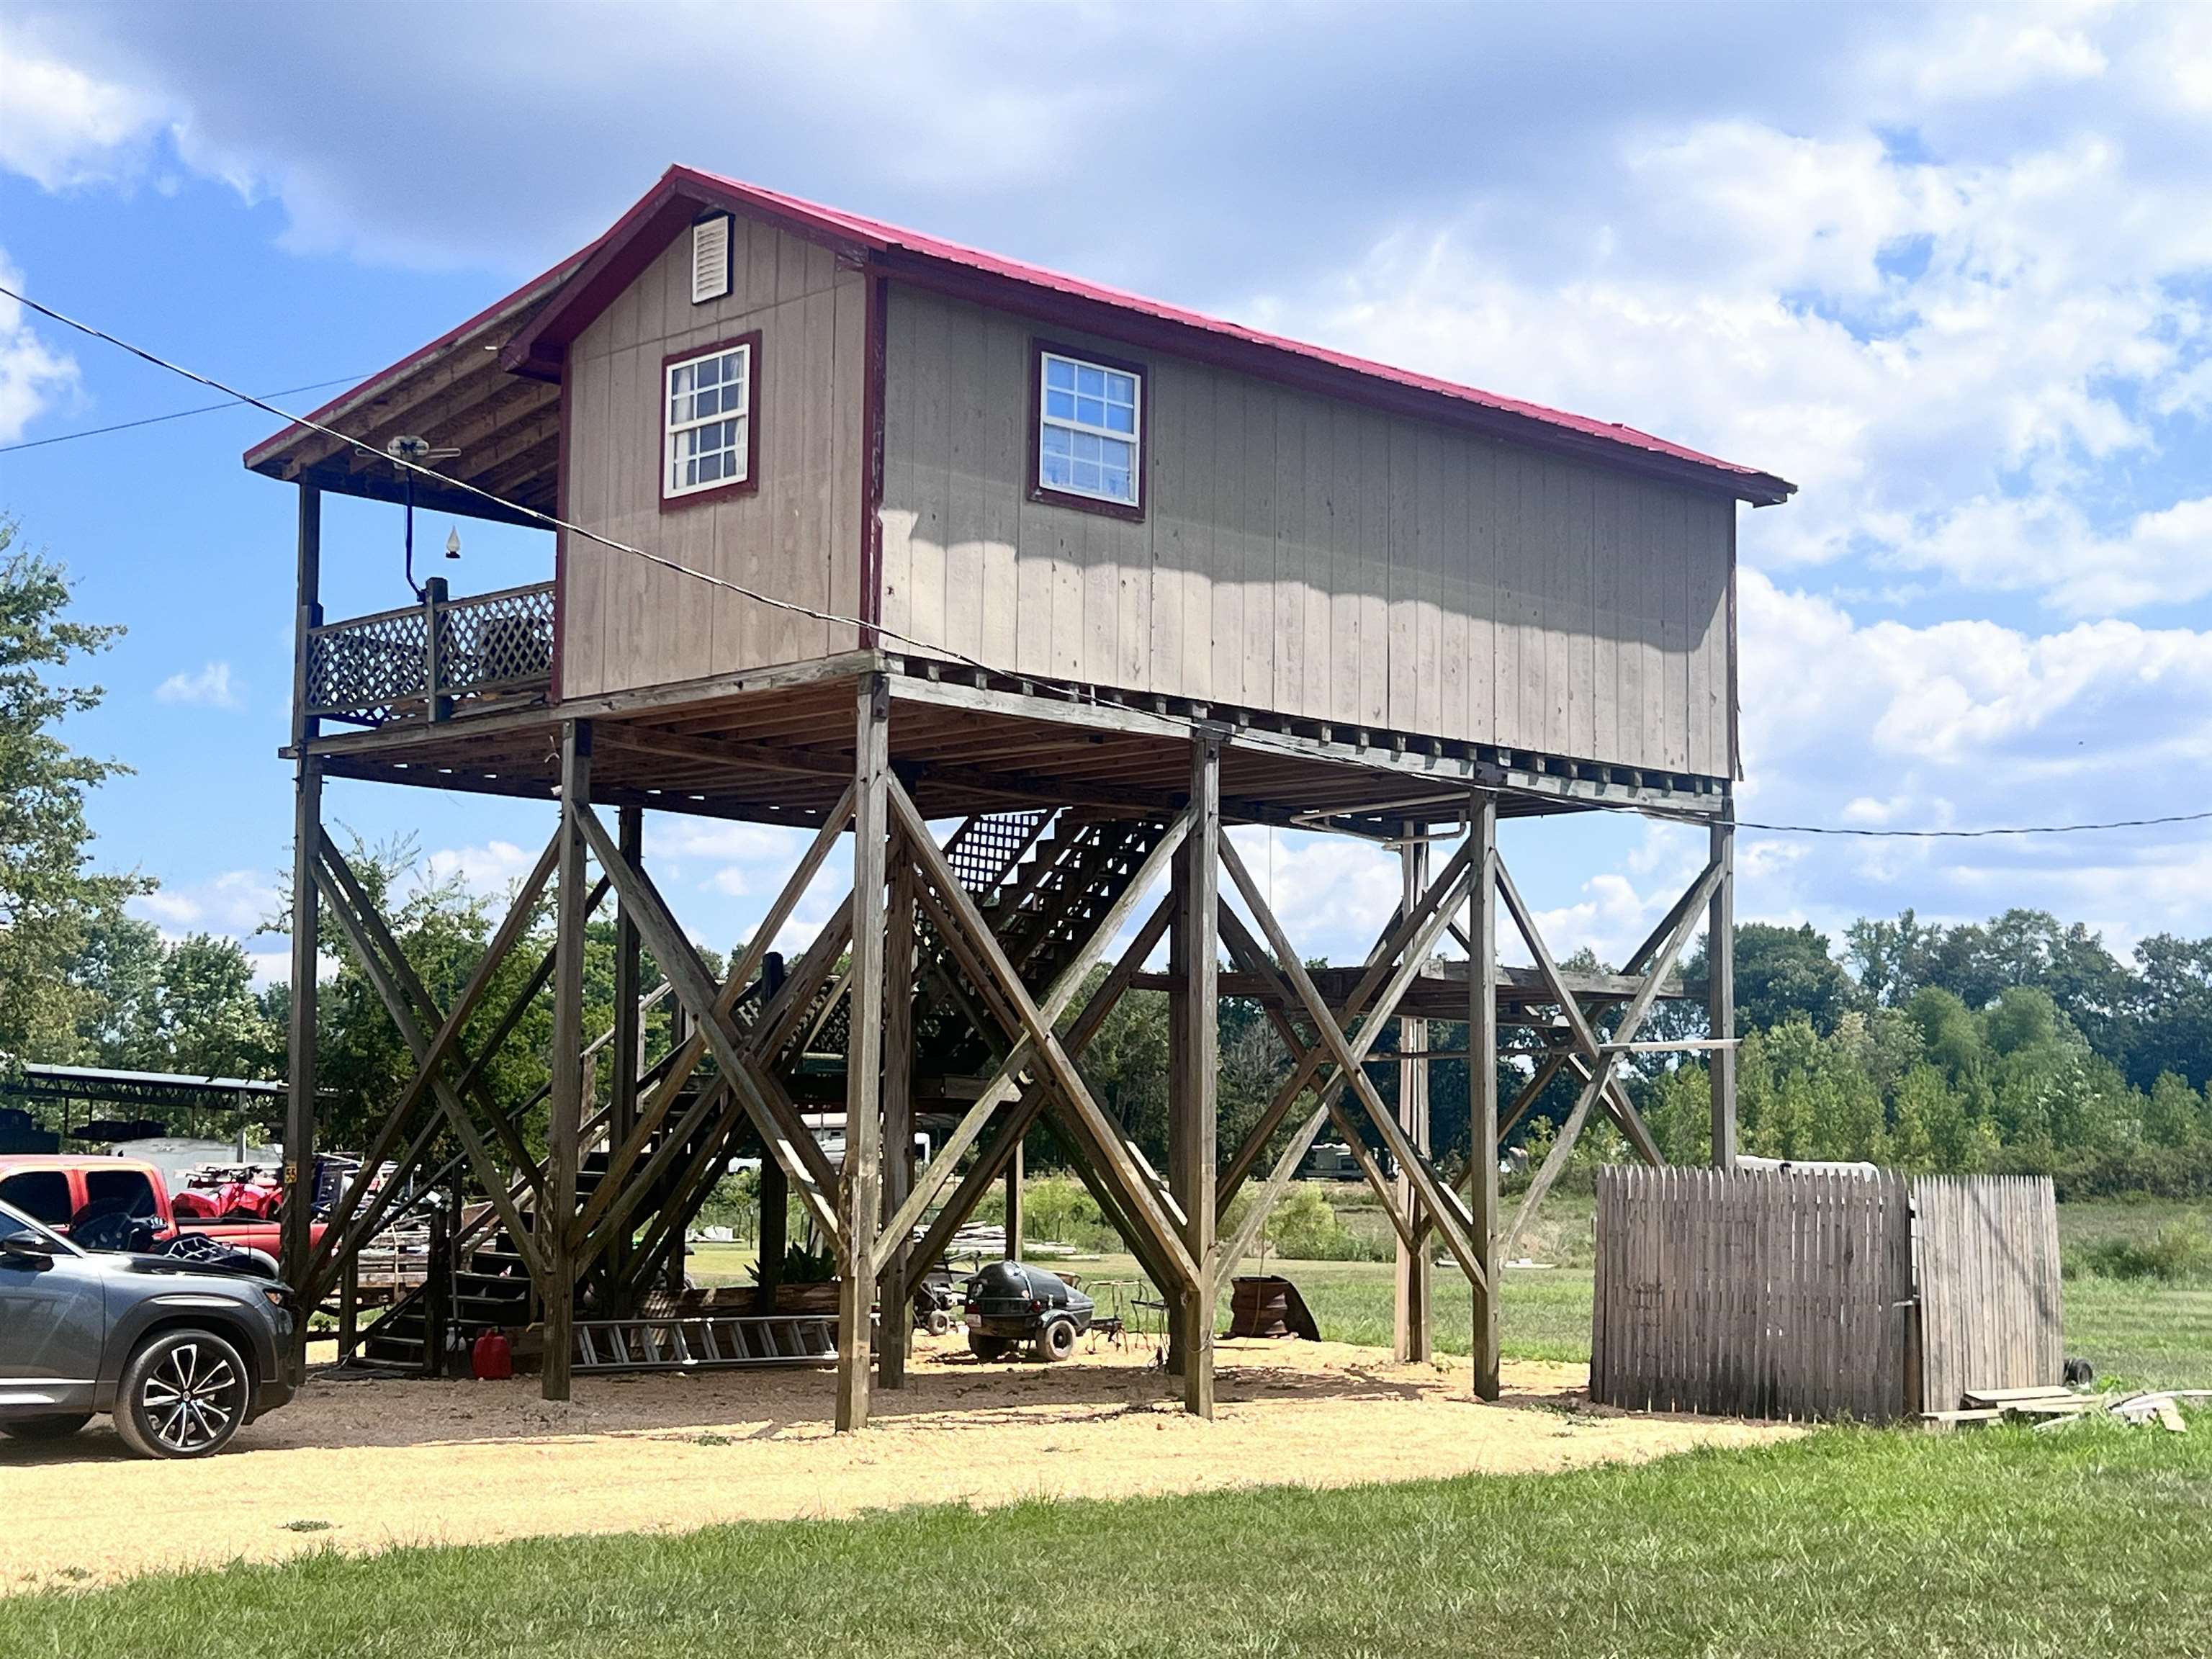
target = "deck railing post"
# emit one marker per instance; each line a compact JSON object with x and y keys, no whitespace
{"x":439,"y":705}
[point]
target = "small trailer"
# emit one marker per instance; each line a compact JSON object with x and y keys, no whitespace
{"x":1010,"y":1302}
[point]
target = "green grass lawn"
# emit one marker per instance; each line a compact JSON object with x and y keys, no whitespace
{"x":2093,"y":1539}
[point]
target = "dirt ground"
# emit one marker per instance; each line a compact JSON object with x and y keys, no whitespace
{"x":363,"y":1465}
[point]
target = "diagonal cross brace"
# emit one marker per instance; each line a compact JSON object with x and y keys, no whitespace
{"x":991,"y":1162}
{"x":320,"y":1272}
{"x":1004,"y":1085}
{"x":1407,"y":968}
{"x":489,"y":1176}
{"x":779,"y":1125}
{"x":1143,"y":1202}
{"x":1451,"y":1216}
{"x":617,"y":1196}
{"x":1600,"y":1074}
{"x":1392,"y":947}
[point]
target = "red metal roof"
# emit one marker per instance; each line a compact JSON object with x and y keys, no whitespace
{"x":591,"y":279}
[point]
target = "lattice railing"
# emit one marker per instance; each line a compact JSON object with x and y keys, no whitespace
{"x":416,"y":663}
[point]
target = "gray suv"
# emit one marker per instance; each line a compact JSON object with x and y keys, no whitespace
{"x":182,"y":1355}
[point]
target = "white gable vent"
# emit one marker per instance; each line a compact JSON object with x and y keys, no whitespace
{"x":710,"y":258}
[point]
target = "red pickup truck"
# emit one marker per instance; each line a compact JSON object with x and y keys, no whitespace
{"x":55,"y":1189}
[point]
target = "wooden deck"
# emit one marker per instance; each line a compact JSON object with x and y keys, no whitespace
{"x":776,"y":747}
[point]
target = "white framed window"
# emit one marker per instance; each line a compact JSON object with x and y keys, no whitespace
{"x":1091,"y":422}
{"x":707,"y":419}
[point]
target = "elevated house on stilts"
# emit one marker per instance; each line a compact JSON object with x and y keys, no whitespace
{"x":1014,"y":591}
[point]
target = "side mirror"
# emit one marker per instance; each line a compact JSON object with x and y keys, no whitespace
{"x":26,"y":1246}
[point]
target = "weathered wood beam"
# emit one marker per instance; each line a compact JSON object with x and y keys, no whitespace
{"x":1388,"y":959}
{"x":1144,"y":1201}
{"x":859,"y":1188}
{"x":1004,"y":1085}
{"x":1193,"y":1105}
{"x":897,"y":1325}
{"x":488,"y":1175}
{"x":1482,"y":1091}
{"x":565,"y":1122}
{"x":1451,"y":1219}
{"x":336,"y":1240}
{"x":1602,"y":1072}
{"x":780,"y":1128}
{"x":989,"y":1163}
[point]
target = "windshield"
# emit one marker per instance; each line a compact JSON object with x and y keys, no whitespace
{"x":15,"y":1221}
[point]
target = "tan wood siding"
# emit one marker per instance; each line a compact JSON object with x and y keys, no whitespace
{"x":628,"y":623}
{"x":1302,"y":555}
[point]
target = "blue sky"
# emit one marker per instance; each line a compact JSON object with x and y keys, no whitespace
{"x":1946,"y":269}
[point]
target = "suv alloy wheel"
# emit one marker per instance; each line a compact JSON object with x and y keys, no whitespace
{"x":182,"y":1394}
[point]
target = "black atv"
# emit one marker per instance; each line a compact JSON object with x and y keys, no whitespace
{"x":1010,"y":1302}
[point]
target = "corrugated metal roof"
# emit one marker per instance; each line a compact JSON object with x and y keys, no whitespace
{"x":578,"y":287}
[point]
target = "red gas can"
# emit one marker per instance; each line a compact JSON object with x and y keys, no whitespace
{"x":492,"y":1358}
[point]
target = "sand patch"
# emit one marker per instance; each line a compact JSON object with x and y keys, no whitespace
{"x":365,"y":1465}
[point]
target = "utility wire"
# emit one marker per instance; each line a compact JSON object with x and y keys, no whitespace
{"x":174,"y":415}
{"x":552,"y":523}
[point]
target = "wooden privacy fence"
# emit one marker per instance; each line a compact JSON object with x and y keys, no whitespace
{"x":1810,"y":1293}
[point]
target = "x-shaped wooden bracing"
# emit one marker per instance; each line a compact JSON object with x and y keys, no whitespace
{"x":1414,"y":936}
{"x":1593,"y":1060}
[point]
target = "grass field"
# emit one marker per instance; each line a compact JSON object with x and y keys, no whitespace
{"x":2004,"y":1541}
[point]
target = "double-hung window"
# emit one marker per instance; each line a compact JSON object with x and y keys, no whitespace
{"x":1090,"y":433}
{"x":707,"y":420}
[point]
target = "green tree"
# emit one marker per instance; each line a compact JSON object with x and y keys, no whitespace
{"x":49,"y":897}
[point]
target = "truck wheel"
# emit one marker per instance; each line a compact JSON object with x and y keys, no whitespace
{"x":46,"y":1428}
{"x":1056,"y":1340}
{"x":182,"y":1394}
{"x":987,"y":1347}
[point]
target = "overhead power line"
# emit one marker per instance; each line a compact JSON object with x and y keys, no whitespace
{"x":831,"y":616}
{"x":174,"y":415}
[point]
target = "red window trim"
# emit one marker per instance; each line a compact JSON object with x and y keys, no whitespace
{"x":750,"y":482}
{"x":1042,"y":492}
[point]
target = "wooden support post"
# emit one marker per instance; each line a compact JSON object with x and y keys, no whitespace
{"x":774,"y":1229}
{"x":1016,"y":1173}
{"x":555,"y":1220}
{"x":1482,"y":1091}
{"x":296,"y":1239}
{"x":624,"y":1046}
{"x":896,"y":1328}
{"x":860,"y":1185}
{"x":296,"y":1235}
{"x":1193,"y":1117}
{"x":1720,"y":993}
{"x":1410,"y":1338}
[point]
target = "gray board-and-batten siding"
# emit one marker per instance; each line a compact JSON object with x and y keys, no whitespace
{"x":1306,"y":556}
{"x":1298,"y":555}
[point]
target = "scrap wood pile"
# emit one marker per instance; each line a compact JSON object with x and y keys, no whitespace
{"x":2048,"y":1407}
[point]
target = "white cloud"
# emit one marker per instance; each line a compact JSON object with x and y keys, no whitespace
{"x":209,"y":688}
{"x":235,"y":901}
{"x":63,"y":127}
{"x":492,"y":868}
{"x":33,"y":375}
{"x":1936,"y":353}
